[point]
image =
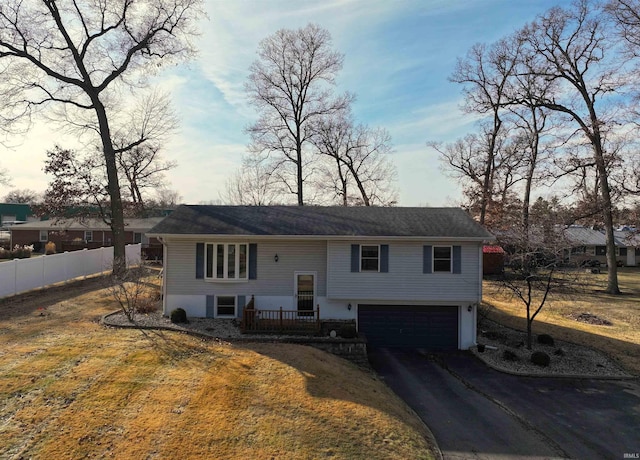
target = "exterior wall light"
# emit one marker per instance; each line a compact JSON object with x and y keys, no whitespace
{"x":469,"y":308}
{"x":349,"y":307}
{"x":276,"y":258}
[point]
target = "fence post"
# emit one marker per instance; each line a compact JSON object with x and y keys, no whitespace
{"x":281,"y":327}
{"x":42,"y":283}
{"x":15,"y":276}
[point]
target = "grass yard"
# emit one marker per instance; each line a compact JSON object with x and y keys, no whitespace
{"x":620,"y":339}
{"x":70,"y":388}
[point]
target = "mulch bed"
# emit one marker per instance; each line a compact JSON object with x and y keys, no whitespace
{"x":590,"y":318}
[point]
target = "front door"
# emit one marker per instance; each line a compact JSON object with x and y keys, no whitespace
{"x":305,"y":293}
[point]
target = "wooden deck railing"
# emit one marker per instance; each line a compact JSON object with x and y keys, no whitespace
{"x":281,"y":321}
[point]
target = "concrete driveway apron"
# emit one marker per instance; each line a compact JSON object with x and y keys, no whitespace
{"x":477,"y":413}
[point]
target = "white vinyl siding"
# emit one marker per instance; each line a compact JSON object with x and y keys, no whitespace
{"x":405,"y":279}
{"x":273,"y":278}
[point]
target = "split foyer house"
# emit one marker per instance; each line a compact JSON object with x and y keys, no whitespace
{"x":407,"y":276}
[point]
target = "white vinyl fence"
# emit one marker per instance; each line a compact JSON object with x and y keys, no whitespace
{"x":21,"y":275}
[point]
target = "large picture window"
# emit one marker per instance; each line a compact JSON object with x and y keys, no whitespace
{"x":442,"y":259}
{"x":369,"y":258}
{"x":226,"y":261}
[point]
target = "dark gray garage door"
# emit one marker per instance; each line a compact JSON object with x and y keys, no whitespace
{"x":410,"y":326}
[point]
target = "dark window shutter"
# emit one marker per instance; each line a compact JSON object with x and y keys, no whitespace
{"x":355,"y":257}
{"x":426,"y":259}
{"x":211,"y":306}
{"x":384,"y":258}
{"x":457,"y":259}
{"x":253,"y":261}
{"x":241,"y":304}
{"x":199,"y":260}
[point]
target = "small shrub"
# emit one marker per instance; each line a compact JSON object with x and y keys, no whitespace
{"x":495,"y":335}
{"x":509,"y":355}
{"x":178,"y":315}
{"x":146,"y":304}
{"x":50,"y":248}
{"x":347,"y":331}
{"x":545,"y":339}
{"x":559,"y":352}
{"x":540,"y":358}
{"x":5,"y":254}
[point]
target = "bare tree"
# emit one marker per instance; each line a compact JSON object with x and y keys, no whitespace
{"x":253,"y":185}
{"x":626,"y":16}
{"x":144,"y":170}
{"x":572,"y":51}
{"x":22,"y":196}
{"x":4,"y":177}
{"x":290,"y":85}
{"x":75,"y":57}
{"x":536,"y":273}
{"x":359,"y":157}
{"x":486,"y":73}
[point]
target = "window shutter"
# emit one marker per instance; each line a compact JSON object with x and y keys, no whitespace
{"x":457,"y":259}
{"x":199,"y":260}
{"x":355,"y":257}
{"x":211,"y":306}
{"x":241,"y":304}
{"x":426,"y":259}
{"x":253,"y":261}
{"x":384,"y":258}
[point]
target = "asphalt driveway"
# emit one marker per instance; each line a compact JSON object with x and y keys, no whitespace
{"x":476,"y":412}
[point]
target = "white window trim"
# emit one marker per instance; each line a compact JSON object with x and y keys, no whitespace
{"x":46,"y":233}
{"x":88,"y":233}
{"x":225,"y":263}
{"x":235,"y":307}
{"x":433,"y":258}
{"x":370,"y":271}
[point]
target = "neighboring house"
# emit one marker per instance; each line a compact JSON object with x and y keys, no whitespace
{"x":629,"y":240}
{"x":73,"y":234}
{"x":590,"y":244}
{"x":13,"y":213}
{"x":408,"y":276}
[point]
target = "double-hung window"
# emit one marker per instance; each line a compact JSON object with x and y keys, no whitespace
{"x":369,"y":258}
{"x":44,"y":235}
{"x":88,"y":236}
{"x":442,"y":259}
{"x":226,"y":261}
{"x":226,"y":306}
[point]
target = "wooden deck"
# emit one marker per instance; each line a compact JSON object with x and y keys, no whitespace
{"x":280,"y":321}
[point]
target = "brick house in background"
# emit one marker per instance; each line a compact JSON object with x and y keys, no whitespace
{"x":76,"y":234}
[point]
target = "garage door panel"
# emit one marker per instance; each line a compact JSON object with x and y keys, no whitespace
{"x":409,"y":326}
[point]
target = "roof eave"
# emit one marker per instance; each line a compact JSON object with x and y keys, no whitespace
{"x":208,"y":236}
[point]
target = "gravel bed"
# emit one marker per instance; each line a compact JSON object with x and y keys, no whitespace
{"x":573,"y":360}
{"x":223,"y":329}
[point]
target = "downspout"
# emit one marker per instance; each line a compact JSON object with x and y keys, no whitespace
{"x":164,"y":274}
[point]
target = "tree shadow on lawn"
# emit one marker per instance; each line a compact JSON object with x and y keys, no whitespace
{"x":329,"y":376}
{"x":29,"y":302}
{"x":626,"y":354}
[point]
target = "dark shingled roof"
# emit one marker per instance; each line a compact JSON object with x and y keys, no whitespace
{"x":320,"y":221}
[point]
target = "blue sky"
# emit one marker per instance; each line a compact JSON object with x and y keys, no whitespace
{"x":398,"y":55}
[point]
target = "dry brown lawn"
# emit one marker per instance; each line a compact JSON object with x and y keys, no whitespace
{"x":620,"y":340}
{"x":71,"y":388}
